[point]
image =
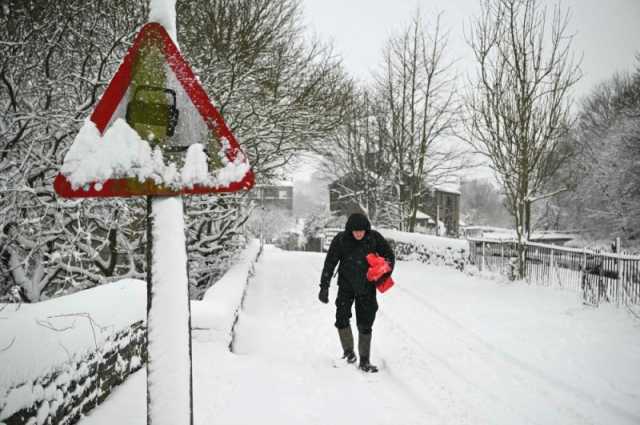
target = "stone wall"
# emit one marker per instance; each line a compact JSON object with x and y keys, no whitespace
{"x":63,"y":395}
{"x":437,"y":255}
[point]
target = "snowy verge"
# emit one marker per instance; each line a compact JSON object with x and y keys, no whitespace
{"x":218,"y":310}
{"x":62,"y":356}
{"x":428,"y":249}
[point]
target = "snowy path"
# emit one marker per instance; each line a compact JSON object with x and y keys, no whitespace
{"x":484,"y":377}
{"x":454,"y":349}
{"x":289,"y":336}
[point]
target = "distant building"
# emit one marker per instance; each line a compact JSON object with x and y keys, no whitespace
{"x":445,"y":208}
{"x":273,"y":195}
{"x":438,"y":204}
{"x":424,"y":223}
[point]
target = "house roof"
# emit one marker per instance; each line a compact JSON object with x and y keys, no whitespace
{"x":422,"y":216}
{"x":279,"y":183}
{"x":449,"y":188}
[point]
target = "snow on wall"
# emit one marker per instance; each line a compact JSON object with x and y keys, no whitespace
{"x":50,"y":367}
{"x":428,"y":249}
{"x":61,"y":357}
{"x":218,"y":310}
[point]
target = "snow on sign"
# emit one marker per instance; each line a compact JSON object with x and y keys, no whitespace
{"x":153,"y":132}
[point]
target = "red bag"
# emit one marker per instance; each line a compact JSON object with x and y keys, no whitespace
{"x":377,"y":267}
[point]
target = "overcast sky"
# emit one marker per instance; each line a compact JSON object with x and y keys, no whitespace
{"x":607,"y":32}
{"x":607,"y":35}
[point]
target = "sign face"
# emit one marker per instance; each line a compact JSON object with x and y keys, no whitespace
{"x":160,"y":98}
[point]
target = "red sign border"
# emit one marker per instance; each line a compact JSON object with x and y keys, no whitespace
{"x":110,"y":100}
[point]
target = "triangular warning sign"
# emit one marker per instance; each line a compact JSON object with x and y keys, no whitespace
{"x":153,"y":132}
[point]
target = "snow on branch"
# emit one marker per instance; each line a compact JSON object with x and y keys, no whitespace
{"x":9,"y":345}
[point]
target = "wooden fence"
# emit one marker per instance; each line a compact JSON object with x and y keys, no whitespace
{"x":599,"y":276}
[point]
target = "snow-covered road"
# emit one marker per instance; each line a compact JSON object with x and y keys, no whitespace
{"x":453,"y":349}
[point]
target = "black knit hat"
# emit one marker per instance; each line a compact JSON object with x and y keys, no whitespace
{"x":357,"y":221}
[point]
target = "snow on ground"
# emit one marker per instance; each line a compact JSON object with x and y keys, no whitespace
{"x":426,"y":240}
{"x":216,"y":313}
{"x":126,"y":406}
{"x":453,"y":349}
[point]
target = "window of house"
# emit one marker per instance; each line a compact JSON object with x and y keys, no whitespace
{"x":283,"y":194}
{"x":269,"y":193}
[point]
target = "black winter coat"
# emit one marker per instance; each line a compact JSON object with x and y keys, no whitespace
{"x":351,"y":254}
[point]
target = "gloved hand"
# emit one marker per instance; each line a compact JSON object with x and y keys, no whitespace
{"x":323,"y":296}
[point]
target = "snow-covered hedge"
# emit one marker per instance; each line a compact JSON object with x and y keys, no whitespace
{"x":428,"y":249}
{"x":60,"y":358}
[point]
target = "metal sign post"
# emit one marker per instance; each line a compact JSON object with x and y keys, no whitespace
{"x":169,"y":352}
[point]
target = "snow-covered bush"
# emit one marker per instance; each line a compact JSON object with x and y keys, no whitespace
{"x":215,"y":236}
{"x":428,"y":249}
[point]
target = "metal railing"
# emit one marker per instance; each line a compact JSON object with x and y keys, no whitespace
{"x":599,"y":276}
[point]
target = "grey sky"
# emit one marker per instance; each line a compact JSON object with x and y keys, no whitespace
{"x":607,"y":32}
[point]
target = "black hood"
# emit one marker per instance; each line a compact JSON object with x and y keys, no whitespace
{"x":357,"y":221}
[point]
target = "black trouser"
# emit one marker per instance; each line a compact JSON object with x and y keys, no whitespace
{"x":366,"y":307}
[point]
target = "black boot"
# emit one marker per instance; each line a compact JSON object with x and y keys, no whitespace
{"x":346,"y":339}
{"x":364,"y":347}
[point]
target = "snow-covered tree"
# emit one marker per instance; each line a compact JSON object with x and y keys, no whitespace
{"x":482,"y":204}
{"x":604,"y":174}
{"x":55,"y":58}
{"x":276,"y":91}
{"x":269,"y":223}
{"x":279,"y":92}
{"x":214,"y":235}
{"x":392,"y":144}
{"x":518,"y":105}
{"x":354,"y":155}
{"x":417,"y":89}
{"x":315,"y":223}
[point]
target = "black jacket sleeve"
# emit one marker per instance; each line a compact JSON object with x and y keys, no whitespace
{"x":384,"y":250}
{"x":331,"y":261}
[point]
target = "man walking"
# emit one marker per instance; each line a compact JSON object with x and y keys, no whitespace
{"x":350,"y":249}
